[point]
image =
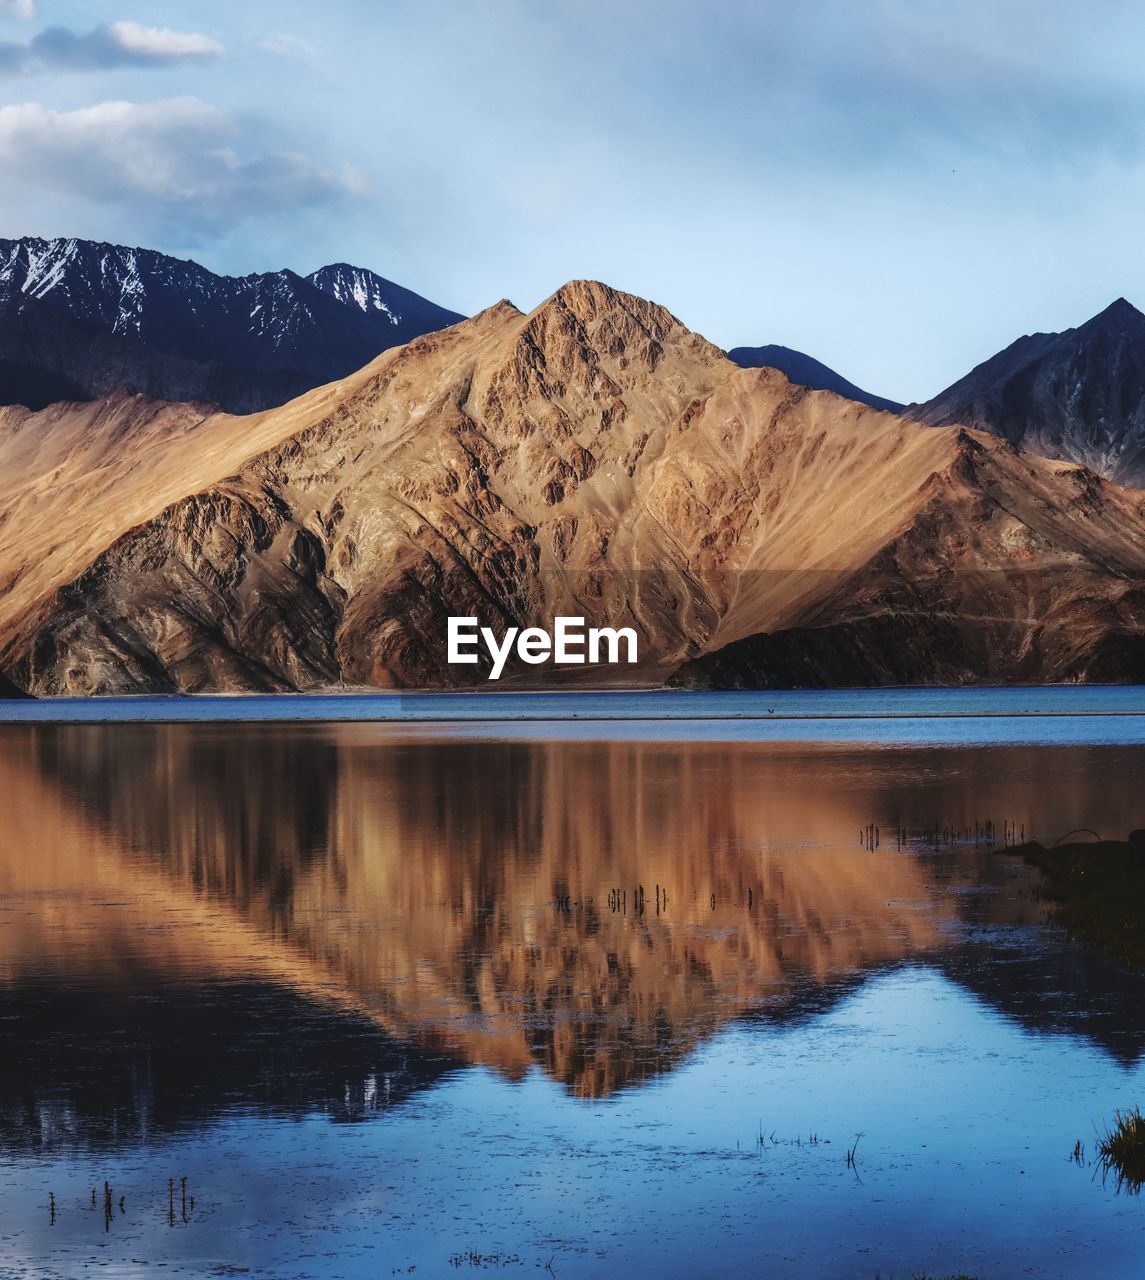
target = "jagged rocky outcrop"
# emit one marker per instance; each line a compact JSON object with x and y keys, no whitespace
{"x":79,"y":320}
{"x":1077,"y":395}
{"x":805,"y":370}
{"x":592,"y":457}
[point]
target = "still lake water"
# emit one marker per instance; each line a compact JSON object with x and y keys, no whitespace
{"x":387,"y":995}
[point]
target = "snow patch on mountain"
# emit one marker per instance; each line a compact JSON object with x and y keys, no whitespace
{"x":356,"y":287}
{"x":297,"y":331}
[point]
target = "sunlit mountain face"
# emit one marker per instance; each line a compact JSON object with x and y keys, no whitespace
{"x":592,"y":458}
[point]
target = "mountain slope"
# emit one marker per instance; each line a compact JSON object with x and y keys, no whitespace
{"x":593,"y":457}
{"x":75,"y":477}
{"x":8,"y":689}
{"x":807,"y":372}
{"x":79,"y":320}
{"x":1077,"y":395}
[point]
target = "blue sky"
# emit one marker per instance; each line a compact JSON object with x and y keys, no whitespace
{"x":899,"y":188}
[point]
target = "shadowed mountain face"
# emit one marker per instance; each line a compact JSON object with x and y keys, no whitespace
{"x":8,"y":689}
{"x":1077,"y":395}
{"x":79,"y":320}
{"x":806,"y":371}
{"x":592,"y":458}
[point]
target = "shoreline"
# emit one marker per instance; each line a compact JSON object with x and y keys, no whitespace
{"x":874,"y":713}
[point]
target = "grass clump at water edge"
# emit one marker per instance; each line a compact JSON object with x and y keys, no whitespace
{"x":1121,"y":1151}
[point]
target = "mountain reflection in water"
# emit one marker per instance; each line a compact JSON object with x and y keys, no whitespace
{"x":198,"y":917}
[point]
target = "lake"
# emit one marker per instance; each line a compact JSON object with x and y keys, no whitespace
{"x":563,"y":985}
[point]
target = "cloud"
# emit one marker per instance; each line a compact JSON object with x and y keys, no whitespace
{"x":21,"y":8}
{"x":179,"y":161}
{"x":819,"y":87}
{"x":110,"y":45}
{"x":161,"y":43}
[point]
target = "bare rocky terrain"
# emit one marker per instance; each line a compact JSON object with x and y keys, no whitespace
{"x":593,"y":457}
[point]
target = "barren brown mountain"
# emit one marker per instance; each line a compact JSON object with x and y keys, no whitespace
{"x":593,"y":456}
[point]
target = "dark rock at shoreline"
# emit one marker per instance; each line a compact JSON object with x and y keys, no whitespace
{"x":1097,"y":887}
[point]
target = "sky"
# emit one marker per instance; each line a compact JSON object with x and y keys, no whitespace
{"x":899,"y":188}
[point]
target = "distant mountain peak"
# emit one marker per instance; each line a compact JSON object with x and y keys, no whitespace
{"x":1120,"y":312}
{"x":356,"y":287}
{"x":81,"y":318}
{"x":1078,"y":395}
{"x":806,"y":371}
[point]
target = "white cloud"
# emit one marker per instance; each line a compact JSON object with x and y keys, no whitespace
{"x":21,"y":8}
{"x":176,"y":158}
{"x":114,"y":44}
{"x":161,"y":43}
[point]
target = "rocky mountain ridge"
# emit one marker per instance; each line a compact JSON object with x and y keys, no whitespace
{"x":594,"y":457}
{"x":79,"y":320}
{"x":1078,"y":395}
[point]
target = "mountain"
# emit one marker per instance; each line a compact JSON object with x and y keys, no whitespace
{"x":8,"y":689}
{"x":593,"y":457}
{"x":79,"y":320}
{"x":807,"y":372}
{"x":1077,"y":395}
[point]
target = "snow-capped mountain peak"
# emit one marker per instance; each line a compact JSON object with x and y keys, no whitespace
{"x":255,"y":339}
{"x":357,"y":287}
